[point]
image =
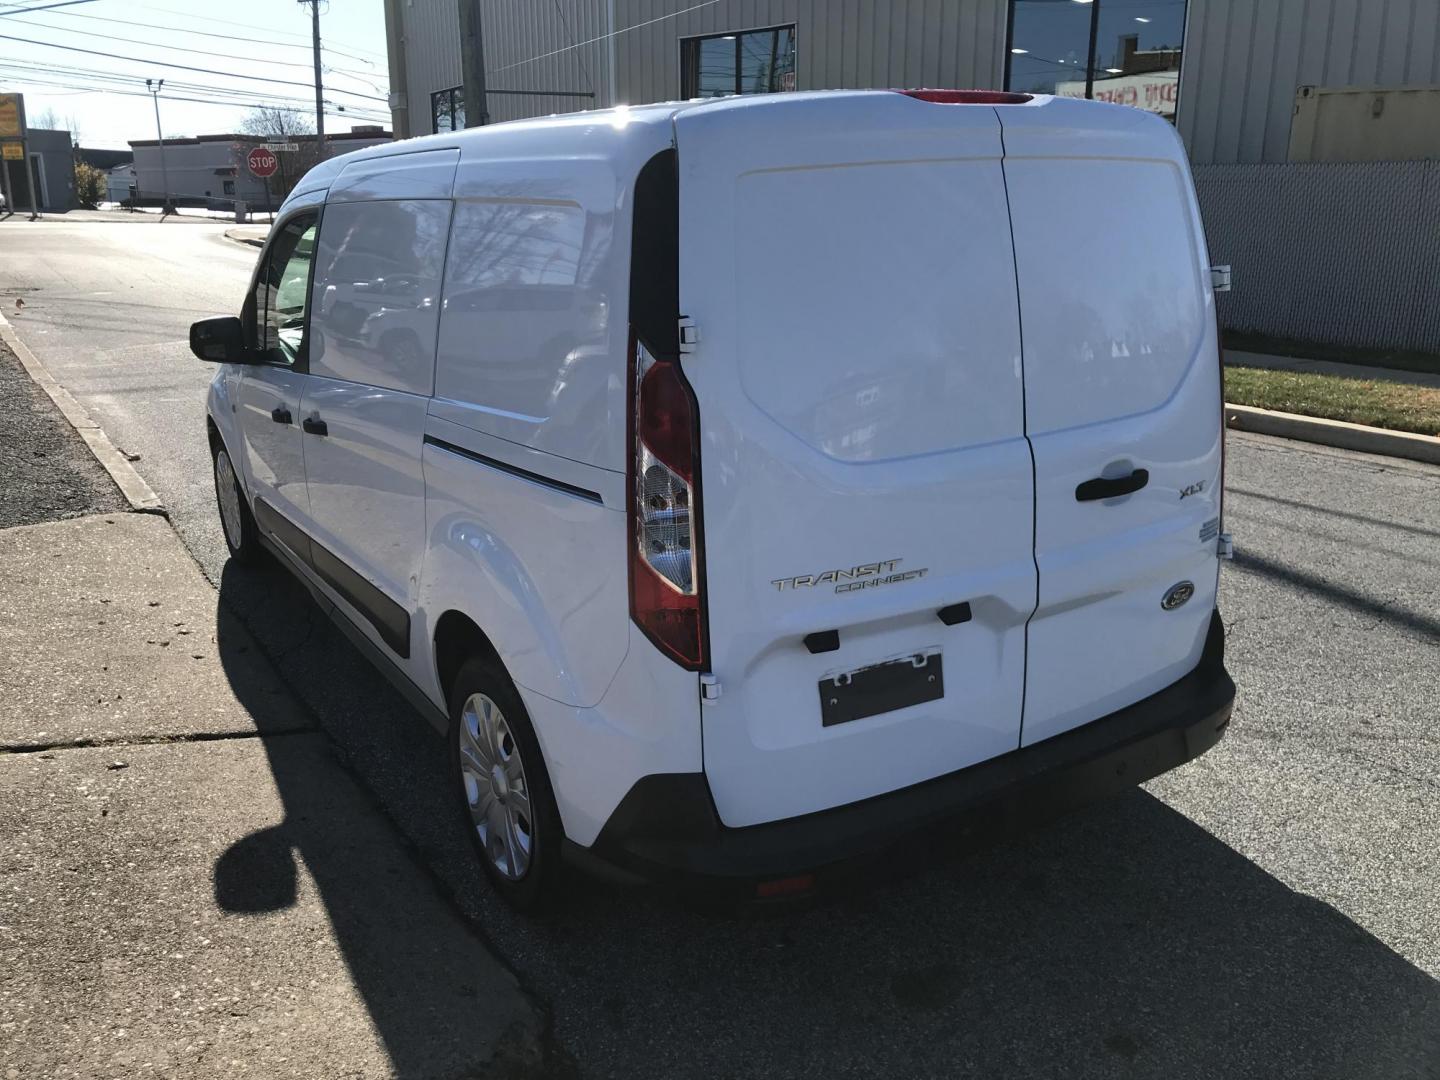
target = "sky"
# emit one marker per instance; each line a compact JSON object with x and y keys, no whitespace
{"x":255,"y":52}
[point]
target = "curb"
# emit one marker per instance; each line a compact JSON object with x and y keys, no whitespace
{"x":252,"y":241}
{"x":1347,"y":436}
{"x":132,"y":485}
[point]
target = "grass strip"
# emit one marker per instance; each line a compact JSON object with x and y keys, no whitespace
{"x":1397,"y":406}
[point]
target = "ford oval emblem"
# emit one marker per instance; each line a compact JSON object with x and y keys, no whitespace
{"x":1177,"y":594}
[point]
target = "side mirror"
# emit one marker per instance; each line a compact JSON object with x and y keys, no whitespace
{"x":220,"y":341}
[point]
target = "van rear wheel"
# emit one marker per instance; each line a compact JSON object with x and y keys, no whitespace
{"x":505,"y":796}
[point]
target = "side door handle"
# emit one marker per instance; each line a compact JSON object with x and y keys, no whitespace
{"x":313,"y":425}
{"x":1103,"y":488}
{"x":281,"y":415}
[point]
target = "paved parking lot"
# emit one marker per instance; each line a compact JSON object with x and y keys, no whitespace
{"x":1273,"y":909}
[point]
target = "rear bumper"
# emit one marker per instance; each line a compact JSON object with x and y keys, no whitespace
{"x":666,"y":828}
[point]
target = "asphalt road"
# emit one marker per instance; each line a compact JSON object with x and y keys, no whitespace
{"x":108,"y":308}
{"x":1272,"y":909}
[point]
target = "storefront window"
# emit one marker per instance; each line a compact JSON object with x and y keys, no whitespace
{"x":1136,"y":59}
{"x":746,"y":62}
{"x":447,"y":110}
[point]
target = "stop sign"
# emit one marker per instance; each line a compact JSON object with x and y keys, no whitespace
{"x":262,"y":162}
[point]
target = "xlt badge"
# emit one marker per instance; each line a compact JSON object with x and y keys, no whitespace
{"x":853,"y":578}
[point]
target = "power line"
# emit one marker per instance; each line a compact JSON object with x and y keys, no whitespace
{"x":182,"y":49}
{"x":247,"y":26}
{"x":603,"y":37}
{"x":156,"y":44}
{"x":27,"y":72}
{"x":578,"y":56}
{"x":207,"y":33}
{"x":43,"y":7}
{"x":177,"y":97}
{"x":31,"y":69}
{"x":183,"y":67}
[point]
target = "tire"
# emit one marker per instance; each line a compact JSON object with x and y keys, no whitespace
{"x":510,"y":817}
{"x":237,"y":524}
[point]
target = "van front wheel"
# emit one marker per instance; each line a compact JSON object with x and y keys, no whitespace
{"x":505,"y":796}
{"x":236,"y":522}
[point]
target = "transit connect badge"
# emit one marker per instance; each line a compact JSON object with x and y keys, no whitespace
{"x":854,"y":578}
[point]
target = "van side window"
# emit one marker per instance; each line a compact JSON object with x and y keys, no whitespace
{"x":377,"y":292}
{"x":282,"y":292}
{"x":522,"y":314}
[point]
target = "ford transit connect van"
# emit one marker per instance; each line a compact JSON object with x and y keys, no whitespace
{"x":749,"y":486}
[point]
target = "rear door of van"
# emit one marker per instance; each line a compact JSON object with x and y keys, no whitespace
{"x":866,"y":486}
{"x":1122,"y":403}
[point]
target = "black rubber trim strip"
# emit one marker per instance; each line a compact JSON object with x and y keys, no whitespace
{"x":391,"y":621}
{"x":367,"y":648}
{"x":515,"y":470}
{"x":283,"y":529}
{"x":655,"y":257}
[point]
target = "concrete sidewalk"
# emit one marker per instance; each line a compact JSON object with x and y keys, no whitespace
{"x":191,"y":883}
{"x":254,"y":235}
{"x":22,"y":215}
{"x":1239,"y":358}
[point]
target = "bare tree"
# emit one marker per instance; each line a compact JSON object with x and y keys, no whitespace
{"x":277,"y":123}
{"x":47,"y":119}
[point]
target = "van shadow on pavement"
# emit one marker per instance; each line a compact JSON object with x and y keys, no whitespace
{"x":441,"y":1002}
{"x":1124,"y":940}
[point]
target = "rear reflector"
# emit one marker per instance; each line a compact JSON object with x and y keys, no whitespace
{"x":786,"y":886}
{"x":968,"y":97}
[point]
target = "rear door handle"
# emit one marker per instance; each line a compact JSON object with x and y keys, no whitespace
{"x":281,"y":415}
{"x":313,"y":425}
{"x":1102,"y":488}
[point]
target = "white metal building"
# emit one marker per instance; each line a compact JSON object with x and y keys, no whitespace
{"x":212,"y":167}
{"x":120,"y":183}
{"x":1349,"y":88}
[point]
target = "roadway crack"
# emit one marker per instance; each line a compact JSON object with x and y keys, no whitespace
{"x":152,"y":740}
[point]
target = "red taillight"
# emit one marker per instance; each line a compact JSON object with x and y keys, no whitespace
{"x":968,"y":97}
{"x":665,"y":565}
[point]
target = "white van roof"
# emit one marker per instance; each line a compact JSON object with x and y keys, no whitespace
{"x":628,"y":135}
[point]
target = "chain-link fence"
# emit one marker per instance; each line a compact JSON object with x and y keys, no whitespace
{"x":1339,"y":253}
{"x":218,"y":205}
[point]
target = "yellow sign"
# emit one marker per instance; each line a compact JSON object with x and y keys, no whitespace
{"x":13,"y":151}
{"x":10,"y":117}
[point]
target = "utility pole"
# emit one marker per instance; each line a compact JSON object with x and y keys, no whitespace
{"x":154,"y":86}
{"x":472,"y":60}
{"x":319,"y":89}
{"x":1090,"y":59}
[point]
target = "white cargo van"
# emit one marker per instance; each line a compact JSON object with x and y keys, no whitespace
{"x":751,"y":486}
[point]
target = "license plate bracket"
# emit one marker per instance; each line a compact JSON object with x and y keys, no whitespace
{"x":908,"y":680}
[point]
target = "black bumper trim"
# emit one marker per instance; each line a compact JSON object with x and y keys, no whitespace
{"x":667,"y":829}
